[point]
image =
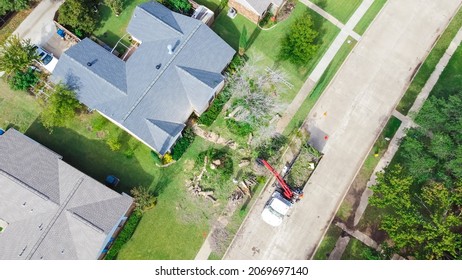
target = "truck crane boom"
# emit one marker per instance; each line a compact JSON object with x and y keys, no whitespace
{"x":290,"y":194}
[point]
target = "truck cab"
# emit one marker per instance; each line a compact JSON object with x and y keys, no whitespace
{"x":275,"y":210}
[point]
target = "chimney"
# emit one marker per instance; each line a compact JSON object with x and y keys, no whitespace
{"x":170,"y":49}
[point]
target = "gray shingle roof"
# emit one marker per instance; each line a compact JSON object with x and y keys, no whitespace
{"x":261,"y":6}
{"x":53,"y":210}
{"x":151,"y":103}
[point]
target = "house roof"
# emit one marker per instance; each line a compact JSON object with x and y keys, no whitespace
{"x":260,"y":6}
{"x":154,"y":92}
{"x":52,"y":210}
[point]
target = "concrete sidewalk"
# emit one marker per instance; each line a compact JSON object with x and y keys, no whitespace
{"x":351,"y":113}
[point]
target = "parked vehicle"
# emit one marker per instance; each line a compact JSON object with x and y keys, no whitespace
{"x":281,"y":200}
{"x":112,"y":181}
{"x":276,"y":209}
{"x":46,"y":59}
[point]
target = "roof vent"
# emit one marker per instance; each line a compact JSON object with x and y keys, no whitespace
{"x":158,"y":66}
{"x":90,"y":63}
{"x":170,"y":49}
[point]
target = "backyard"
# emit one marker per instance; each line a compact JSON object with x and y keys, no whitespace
{"x":176,"y":227}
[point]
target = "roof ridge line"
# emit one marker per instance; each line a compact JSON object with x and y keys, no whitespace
{"x":99,"y":77}
{"x":55,"y":218}
{"x":161,"y":21}
{"x":161,"y":73}
{"x":26,"y":186}
{"x":182,"y":68}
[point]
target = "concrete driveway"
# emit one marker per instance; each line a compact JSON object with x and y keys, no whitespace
{"x":351,"y":112}
{"x":39,"y":26}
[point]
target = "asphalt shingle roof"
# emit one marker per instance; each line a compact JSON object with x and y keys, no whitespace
{"x":52,"y":210}
{"x":154,"y":92}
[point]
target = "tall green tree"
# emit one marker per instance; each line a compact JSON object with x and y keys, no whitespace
{"x":299,"y":46}
{"x":426,"y":222}
{"x":60,"y":107}
{"x":13,"y":5}
{"x":79,"y":14}
{"x":16,"y":54}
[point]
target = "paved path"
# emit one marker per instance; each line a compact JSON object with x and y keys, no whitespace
{"x":351,"y":113}
{"x":321,"y":67}
{"x":39,"y":26}
{"x":406,"y":123}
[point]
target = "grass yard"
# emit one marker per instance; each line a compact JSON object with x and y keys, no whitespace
{"x":176,"y":227}
{"x":356,"y":250}
{"x":328,"y":243}
{"x":17,"y":109}
{"x":429,"y":64}
{"x":264,"y":44}
{"x":450,"y":81}
{"x":211,"y":4}
{"x":324,"y":81}
{"x":112,"y":28}
{"x":340,"y":9}
{"x":369,"y":16}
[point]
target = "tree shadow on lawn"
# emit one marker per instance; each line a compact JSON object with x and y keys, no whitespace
{"x":93,"y":157}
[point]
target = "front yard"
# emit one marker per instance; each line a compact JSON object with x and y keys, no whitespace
{"x":264,"y":45}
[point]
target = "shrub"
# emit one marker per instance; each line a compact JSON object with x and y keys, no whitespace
{"x":114,"y":143}
{"x":124,"y":235}
{"x":115,"y":5}
{"x":183,"y":143}
{"x":23,"y":80}
{"x":209,"y":116}
{"x":238,"y":128}
{"x":180,"y":6}
{"x":144,"y":200}
{"x":167,"y":158}
{"x":99,"y":123}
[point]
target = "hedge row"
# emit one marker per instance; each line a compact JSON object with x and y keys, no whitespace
{"x":183,"y":143}
{"x":124,"y":235}
{"x":209,"y":116}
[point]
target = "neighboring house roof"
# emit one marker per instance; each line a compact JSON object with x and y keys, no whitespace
{"x":260,"y":6}
{"x":152,"y":103}
{"x":52,"y":210}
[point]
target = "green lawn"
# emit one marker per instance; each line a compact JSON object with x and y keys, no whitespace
{"x":17,"y":109}
{"x":323,"y":82}
{"x":355,"y":250}
{"x":211,"y":4}
{"x":429,"y":65}
{"x":450,"y":81}
{"x":328,"y":243}
{"x":340,"y":9}
{"x":112,"y":28}
{"x":265,"y":44}
{"x":369,"y":16}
